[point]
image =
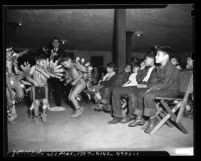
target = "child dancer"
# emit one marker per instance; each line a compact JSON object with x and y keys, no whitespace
{"x":38,"y":76}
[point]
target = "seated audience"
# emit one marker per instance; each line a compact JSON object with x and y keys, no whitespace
{"x":175,"y":62}
{"x":132,"y":78}
{"x":143,"y":78}
{"x":165,"y":84}
{"x":107,"y":80}
{"x":119,"y":80}
{"x":189,"y":62}
{"x":142,"y":65}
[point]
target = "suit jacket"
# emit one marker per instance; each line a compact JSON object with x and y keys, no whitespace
{"x":142,"y":74}
{"x":120,"y":79}
{"x":109,"y":82}
{"x":167,"y":77}
{"x":60,"y":52}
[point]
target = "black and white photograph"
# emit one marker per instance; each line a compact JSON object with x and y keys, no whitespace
{"x":87,"y":80}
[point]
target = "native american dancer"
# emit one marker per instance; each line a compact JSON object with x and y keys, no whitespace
{"x":14,"y":82}
{"x":79,"y":74}
{"x":38,"y":76}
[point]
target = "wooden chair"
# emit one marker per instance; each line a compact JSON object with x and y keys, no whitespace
{"x":170,"y":117}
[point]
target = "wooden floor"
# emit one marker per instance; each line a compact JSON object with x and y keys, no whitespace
{"x":90,"y":132}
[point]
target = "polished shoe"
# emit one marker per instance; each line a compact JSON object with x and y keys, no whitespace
{"x":138,"y":121}
{"x":152,"y":123}
{"x":107,"y":108}
{"x":115,"y":120}
{"x":126,"y":119}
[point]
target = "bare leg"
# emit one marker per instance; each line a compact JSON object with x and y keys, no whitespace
{"x":36,"y":111}
{"x":9,"y":100}
{"x":19,"y":92}
{"x":69,"y":96}
{"x":77,"y":90}
{"x":45,"y":106}
{"x":36,"y":108}
{"x":12,"y":115}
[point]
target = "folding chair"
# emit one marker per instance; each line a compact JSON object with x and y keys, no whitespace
{"x":170,"y":118}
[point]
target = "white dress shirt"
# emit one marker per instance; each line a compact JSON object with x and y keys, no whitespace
{"x":146,"y":78}
{"x":131,"y":81}
{"x":108,"y":76}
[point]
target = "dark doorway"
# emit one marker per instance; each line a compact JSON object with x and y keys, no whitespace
{"x":97,"y":61}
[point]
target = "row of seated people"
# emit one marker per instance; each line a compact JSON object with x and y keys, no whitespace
{"x":139,"y":87}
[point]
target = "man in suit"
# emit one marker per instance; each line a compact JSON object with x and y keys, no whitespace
{"x":165,"y":84}
{"x":143,"y":76}
{"x":55,"y":53}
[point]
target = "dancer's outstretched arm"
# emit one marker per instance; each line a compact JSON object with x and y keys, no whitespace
{"x":43,"y":72}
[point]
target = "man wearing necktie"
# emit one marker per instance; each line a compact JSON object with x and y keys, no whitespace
{"x":55,"y":54}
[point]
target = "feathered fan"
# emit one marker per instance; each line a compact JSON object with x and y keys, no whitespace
{"x":53,"y":69}
{"x":84,"y":67}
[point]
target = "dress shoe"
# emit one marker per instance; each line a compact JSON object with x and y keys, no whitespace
{"x":126,"y":119}
{"x":115,"y":120}
{"x":138,"y":121}
{"x":107,"y":108}
{"x":152,"y":123}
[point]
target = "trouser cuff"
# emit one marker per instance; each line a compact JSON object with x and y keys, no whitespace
{"x":138,"y":112}
{"x":149,"y":112}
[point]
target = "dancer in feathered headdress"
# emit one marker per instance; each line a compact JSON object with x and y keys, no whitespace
{"x":38,"y":75}
{"x":14,"y":82}
{"x":80,"y":77}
